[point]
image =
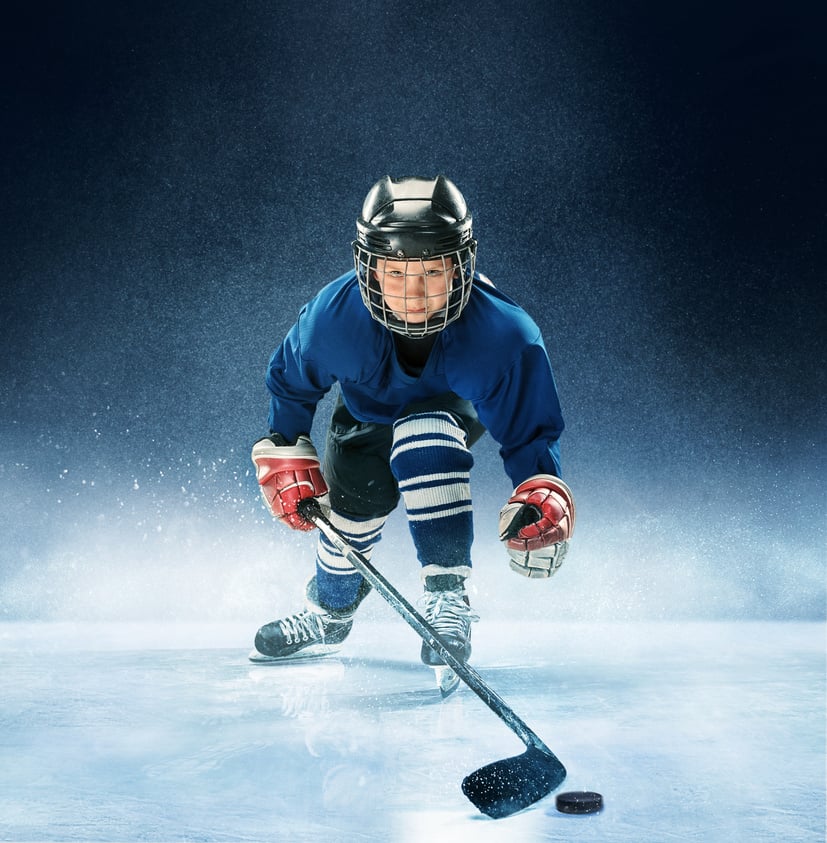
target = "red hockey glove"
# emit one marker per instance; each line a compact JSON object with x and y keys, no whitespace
{"x":287,"y":474}
{"x":536,"y":525}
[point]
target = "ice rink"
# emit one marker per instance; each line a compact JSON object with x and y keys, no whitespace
{"x":692,"y":732}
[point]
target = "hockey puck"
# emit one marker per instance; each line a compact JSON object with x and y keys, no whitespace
{"x":579,"y":802}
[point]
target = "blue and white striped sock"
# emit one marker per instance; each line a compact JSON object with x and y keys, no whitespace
{"x":432,"y":465}
{"x":337,"y":580}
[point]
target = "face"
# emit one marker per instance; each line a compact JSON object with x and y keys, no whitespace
{"x":415,"y":290}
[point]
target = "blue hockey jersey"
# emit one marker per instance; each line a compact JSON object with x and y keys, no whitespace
{"x":493,"y":356}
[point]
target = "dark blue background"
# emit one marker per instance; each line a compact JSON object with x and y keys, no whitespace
{"x":648,"y":181}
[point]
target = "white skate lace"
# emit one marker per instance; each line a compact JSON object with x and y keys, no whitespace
{"x":448,"y":613}
{"x":302,"y":626}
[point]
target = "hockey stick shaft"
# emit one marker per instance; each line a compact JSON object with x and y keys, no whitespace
{"x":310,"y":509}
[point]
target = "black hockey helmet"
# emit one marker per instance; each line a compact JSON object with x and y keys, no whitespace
{"x":415,"y":219}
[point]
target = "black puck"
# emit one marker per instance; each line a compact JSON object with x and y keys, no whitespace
{"x":579,"y":802}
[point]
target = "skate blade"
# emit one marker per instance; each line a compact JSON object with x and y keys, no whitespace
{"x":304,"y":656}
{"x":447,"y":681}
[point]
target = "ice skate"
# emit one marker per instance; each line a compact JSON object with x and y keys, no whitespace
{"x":446,"y":608}
{"x":314,"y":632}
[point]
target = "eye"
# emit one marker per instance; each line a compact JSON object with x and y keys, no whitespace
{"x":436,"y":272}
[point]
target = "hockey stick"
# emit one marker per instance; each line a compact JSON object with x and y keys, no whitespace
{"x":500,"y":788}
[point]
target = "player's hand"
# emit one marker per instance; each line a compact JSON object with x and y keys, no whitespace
{"x":536,"y":525}
{"x":286,"y":475}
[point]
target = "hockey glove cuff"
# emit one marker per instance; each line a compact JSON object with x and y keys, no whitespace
{"x":287,"y":474}
{"x":536,"y":525}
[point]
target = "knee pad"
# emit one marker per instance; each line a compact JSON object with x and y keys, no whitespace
{"x":429,"y":443}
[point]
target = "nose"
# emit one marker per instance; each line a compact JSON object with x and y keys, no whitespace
{"x":415,"y":284}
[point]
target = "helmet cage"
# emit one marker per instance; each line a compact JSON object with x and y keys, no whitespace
{"x":445,"y":287}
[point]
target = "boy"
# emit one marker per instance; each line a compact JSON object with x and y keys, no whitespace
{"x":428,"y":355}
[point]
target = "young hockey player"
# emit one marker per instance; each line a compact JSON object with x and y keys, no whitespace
{"x":428,"y":355}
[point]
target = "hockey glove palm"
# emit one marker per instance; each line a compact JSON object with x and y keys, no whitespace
{"x":286,"y":475}
{"x":536,"y":525}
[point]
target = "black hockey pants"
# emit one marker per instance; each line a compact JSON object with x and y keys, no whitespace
{"x":357,"y":455}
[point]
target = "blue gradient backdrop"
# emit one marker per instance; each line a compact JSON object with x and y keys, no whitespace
{"x":648,"y":182}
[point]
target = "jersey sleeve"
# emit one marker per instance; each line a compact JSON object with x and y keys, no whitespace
{"x":500,"y":363}
{"x":296,"y":384}
{"x":522,"y":412}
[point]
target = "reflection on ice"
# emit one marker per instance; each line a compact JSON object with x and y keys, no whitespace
{"x":691,"y":732}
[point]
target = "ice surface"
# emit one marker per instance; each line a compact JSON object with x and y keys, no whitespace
{"x":706,"y":731}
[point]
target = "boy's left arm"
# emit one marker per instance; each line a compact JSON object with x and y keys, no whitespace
{"x":522,"y":412}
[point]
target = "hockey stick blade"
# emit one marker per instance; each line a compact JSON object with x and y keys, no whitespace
{"x":503,"y":788}
{"x":498,"y":789}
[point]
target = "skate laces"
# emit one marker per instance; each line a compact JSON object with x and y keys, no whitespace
{"x":302,"y":626}
{"x":448,"y":613}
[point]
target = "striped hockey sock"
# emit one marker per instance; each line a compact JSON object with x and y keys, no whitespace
{"x":432,"y":465}
{"x":336,"y":579}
